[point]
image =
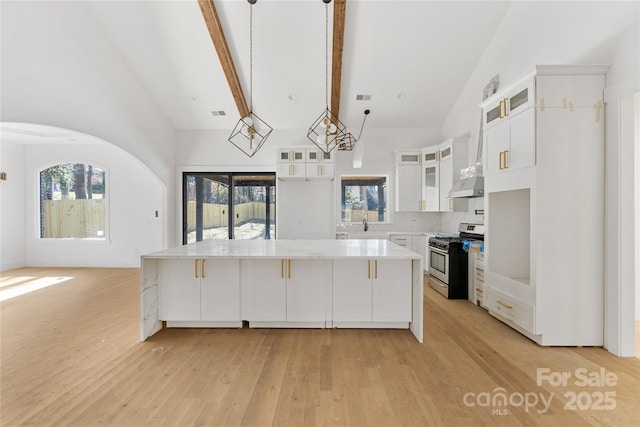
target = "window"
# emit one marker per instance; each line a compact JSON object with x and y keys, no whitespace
{"x":72,"y":201}
{"x":210,"y":213}
{"x":362,"y":195}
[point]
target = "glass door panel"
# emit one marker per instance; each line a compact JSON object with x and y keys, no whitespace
{"x":254,"y":206}
{"x":206,"y":208}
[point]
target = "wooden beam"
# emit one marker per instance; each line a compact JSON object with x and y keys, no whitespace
{"x":220,"y":43}
{"x":339,"y":12}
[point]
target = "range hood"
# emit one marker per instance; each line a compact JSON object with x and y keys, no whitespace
{"x":468,"y":187}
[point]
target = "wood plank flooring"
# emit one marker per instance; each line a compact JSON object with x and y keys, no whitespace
{"x":70,"y":355}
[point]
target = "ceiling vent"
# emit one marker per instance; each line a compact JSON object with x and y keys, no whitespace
{"x":363,"y":97}
{"x":218,"y":113}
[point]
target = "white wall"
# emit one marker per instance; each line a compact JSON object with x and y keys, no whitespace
{"x":12,"y":195}
{"x":636,"y":118}
{"x":538,"y":33}
{"x":51,"y":76}
{"x":535,"y":33}
{"x":198,"y":150}
{"x":133,"y":194}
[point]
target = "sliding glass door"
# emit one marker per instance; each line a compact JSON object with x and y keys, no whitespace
{"x":228,"y":206}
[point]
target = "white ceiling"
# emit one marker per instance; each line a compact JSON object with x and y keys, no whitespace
{"x":425,"y":50}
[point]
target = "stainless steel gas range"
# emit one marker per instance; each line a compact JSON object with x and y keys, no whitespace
{"x":448,"y":261}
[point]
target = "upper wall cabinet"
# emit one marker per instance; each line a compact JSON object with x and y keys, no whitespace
{"x":408,"y":181}
{"x":424,"y":178}
{"x":453,"y":157}
{"x":516,"y":100}
{"x":304,"y":162}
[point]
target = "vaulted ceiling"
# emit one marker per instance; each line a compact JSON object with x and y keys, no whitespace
{"x":412,"y":57}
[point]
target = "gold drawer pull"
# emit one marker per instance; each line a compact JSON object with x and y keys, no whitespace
{"x":368,"y":269}
{"x":203,"y":276}
{"x":196,"y":265}
{"x":504,"y":305}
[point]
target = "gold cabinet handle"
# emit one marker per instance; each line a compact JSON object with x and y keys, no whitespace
{"x":282,"y":269}
{"x":506,"y":113}
{"x":196,"y":266}
{"x":501,"y":115}
{"x":376,"y":268}
{"x":368,"y":269}
{"x":500,"y":160}
{"x":505,"y":159}
{"x":504,"y":305}
{"x":202,"y":269}
{"x":289,"y":269}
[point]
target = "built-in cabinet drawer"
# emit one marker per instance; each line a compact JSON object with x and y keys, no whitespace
{"x":478,"y":277}
{"x":401,"y":240}
{"x":510,"y":308}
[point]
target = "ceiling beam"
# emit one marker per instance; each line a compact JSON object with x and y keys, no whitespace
{"x":220,"y":43}
{"x":339,"y":12}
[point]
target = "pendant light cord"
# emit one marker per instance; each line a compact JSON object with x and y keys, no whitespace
{"x":326,"y":55}
{"x":250,"y":58}
{"x":366,"y":114}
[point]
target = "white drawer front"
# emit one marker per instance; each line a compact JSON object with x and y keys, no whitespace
{"x":510,"y":308}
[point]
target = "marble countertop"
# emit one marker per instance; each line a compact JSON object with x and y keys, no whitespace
{"x":290,"y":249}
{"x":357,"y":234}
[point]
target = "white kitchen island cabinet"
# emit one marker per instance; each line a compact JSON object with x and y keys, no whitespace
{"x":285,"y":290}
{"x":202,"y":289}
{"x":372,"y":290}
{"x":282,"y":283}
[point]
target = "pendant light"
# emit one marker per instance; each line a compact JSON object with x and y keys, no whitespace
{"x":358,"y":151}
{"x":348,"y":141}
{"x":251,"y":131}
{"x":326,"y":131}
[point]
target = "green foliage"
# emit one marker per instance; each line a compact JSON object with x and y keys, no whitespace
{"x":59,"y":173}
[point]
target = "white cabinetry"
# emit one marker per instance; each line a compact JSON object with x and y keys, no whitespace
{"x":453,"y":157}
{"x":202,"y":289}
{"x":371,"y":290}
{"x":424,"y":179}
{"x":544,"y":183}
{"x":404,"y":240}
{"x":408,"y":181}
{"x":476,"y":277}
{"x":319,"y":164}
{"x":284,"y":290}
{"x":431,"y":179}
{"x":301,"y":162}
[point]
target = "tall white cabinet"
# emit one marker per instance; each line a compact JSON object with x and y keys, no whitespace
{"x":544,"y":198}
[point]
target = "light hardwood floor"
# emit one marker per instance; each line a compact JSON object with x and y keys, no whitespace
{"x":71,"y":356}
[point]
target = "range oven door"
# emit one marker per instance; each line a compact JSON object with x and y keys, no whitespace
{"x":439,"y":264}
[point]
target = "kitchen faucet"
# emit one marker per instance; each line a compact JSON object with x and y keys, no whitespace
{"x":365,"y":220}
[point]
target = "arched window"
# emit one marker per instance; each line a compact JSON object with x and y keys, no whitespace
{"x":73,"y":201}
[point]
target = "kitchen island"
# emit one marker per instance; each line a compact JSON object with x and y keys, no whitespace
{"x":282,"y":283}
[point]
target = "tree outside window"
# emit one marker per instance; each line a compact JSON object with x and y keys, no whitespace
{"x":364,"y":196}
{"x":72,"y":201}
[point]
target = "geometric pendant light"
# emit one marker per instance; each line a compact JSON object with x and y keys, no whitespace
{"x":327,"y":132}
{"x":251,"y":131}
